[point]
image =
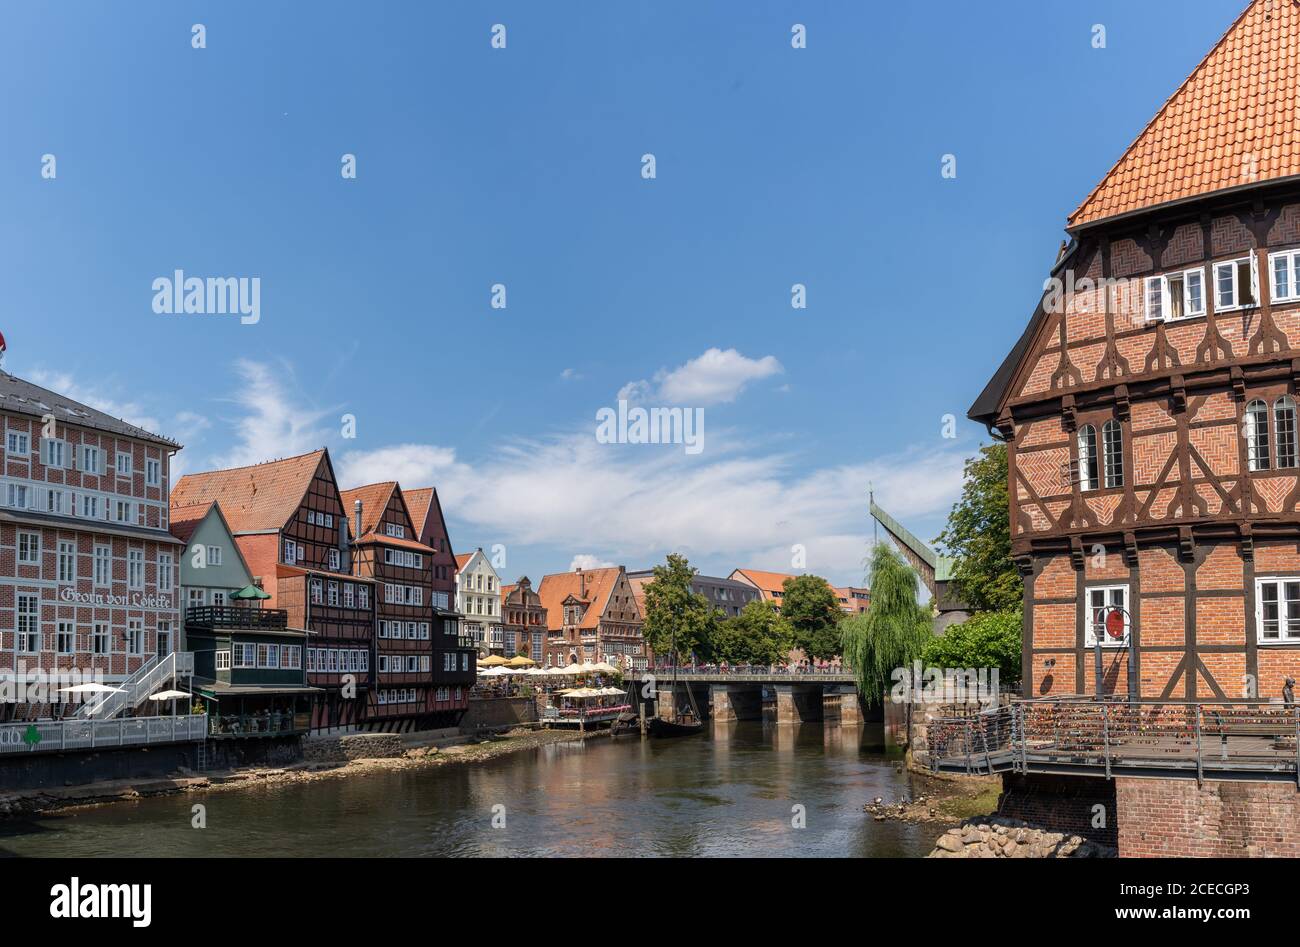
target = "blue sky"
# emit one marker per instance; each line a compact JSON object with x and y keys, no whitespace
{"x":522,"y":166}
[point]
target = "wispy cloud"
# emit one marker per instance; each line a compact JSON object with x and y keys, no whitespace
{"x":715,"y":377}
{"x":275,"y":421}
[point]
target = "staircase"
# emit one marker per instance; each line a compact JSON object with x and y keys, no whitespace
{"x":152,"y":677}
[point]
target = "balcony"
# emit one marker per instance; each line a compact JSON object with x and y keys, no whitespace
{"x":236,"y":616}
{"x":1085,"y":736}
{"x":58,"y":736}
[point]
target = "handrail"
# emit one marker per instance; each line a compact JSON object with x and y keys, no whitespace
{"x":53,"y":736}
{"x":136,"y":689}
{"x":1114,"y":732}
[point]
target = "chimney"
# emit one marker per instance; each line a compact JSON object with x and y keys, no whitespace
{"x":357,"y":506}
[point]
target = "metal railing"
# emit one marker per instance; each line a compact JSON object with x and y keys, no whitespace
{"x":1110,"y":734}
{"x":53,"y":736}
{"x":236,"y":616}
{"x":256,"y":724}
{"x":136,"y":689}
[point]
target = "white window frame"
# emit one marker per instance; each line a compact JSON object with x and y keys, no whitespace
{"x":164,"y":572}
{"x":18,"y":443}
{"x":67,"y":561}
{"x":135,"y":568}
{"x":1292,"y":258}
{"x":1288,"y":629}
{"x":1236,"y":300}
{"x":1089,"y":629}
{"x":103,"y":562}
{"x":1165,"y":299}
{"x":33,"y":544}
{"x":223,"y":660}
{"x":124,"y":469}
{"x":54,"y":452}
{"x":90,"y":460}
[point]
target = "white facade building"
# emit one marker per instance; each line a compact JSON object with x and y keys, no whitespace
{"x":478,"y":598}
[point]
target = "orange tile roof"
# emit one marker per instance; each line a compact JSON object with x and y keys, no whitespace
{"x":183,"y":520}
{"x":462,"y":559}
{"x":418,"y":502}
{"x":767,"y":582}
{"x":374,"y":501}
{"x":556,"y":588}
{"x":639,"y":582}
{"x":373,"y":537}
{"x":1233,"y":122}
{"x":260,"y":497}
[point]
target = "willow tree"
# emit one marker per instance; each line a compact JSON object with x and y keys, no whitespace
{"x":894,"y":629}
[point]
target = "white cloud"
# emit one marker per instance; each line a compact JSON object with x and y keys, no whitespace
{"x":633,"y":503}
{"x":274,"y":424}
{"x":570,"y":374}
{"x":715,"y":377}
{"x":587,"y":561}
{"x":741,"y":503}
{"x":412,"y":465}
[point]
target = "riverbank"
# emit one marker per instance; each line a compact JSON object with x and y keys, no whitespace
{"x":940,"y":799}
{"x":39,"y":801}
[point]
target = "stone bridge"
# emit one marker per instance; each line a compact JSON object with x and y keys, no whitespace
{"x":787,"y":696}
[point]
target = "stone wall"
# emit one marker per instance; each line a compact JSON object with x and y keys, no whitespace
{"x":1004,"y":837}
{"x":493,"y":712}
{"x":352,"y":746}
{"x":1219,"y":819}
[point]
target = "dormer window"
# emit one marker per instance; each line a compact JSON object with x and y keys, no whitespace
{"x":1175,"y":295}
{"x":1235,"y":284}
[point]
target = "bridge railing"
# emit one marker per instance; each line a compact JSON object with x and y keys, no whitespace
{"x":773,"y":670}
{"x":1108,"y":733}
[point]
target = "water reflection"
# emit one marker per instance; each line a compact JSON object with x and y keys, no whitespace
{"x":731,"y":791}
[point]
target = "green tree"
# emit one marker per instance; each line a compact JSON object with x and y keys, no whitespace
{"x":676,"y":617}
{"x":978,"y":536}
{"x":758,"y":635}
{"x":894,"y":629}
{"x":809,"y":606}
{"x":986,"y":640}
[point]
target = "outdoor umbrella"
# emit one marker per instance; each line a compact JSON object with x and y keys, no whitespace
{"x":519,"y":661}
{"x":492,"y":661}
{"x":173,"y":696}
{"x":251,"y":592}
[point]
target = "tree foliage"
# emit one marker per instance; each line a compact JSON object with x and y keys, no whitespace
{"x":809,"y":607}
{"x":978,"y":536}
{"x":758,"y":635}
{"x":676,"y":618}
{"x":894,"y":629}
{"x":985,"y":640}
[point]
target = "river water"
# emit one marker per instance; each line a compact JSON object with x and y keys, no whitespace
{"x":733,"y":791}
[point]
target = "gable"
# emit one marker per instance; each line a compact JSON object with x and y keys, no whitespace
{"x":1232,"y":123}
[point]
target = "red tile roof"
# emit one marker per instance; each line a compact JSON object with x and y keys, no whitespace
{"x":184,"y":520}
{"x":599,"y":583}
{"x":462,"y":559}
{"x":260,"y":497}
{"x":418,"y":502}
{"x":1233,"y":122}
{"x":374,"y":499}
{"x":766,"y":582}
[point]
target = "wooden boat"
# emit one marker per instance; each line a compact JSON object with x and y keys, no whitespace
{"x":658,"y":727}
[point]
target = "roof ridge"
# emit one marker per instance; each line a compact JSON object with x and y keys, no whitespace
{"x":260,"y":463}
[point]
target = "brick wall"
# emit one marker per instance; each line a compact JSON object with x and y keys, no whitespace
{"x":1061,"y":803}
{"x":1177,"y":818}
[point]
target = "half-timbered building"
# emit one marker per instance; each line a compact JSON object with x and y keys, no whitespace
{"x":455,"y":656}
{"x":288,"y":519}
{"x":385,"y":549}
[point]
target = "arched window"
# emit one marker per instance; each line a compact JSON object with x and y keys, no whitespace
{"x":1284,"y":426}
{"x":1088,"y":478}
{"x":1112,"y":453}
{"x":1256,"y":432}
